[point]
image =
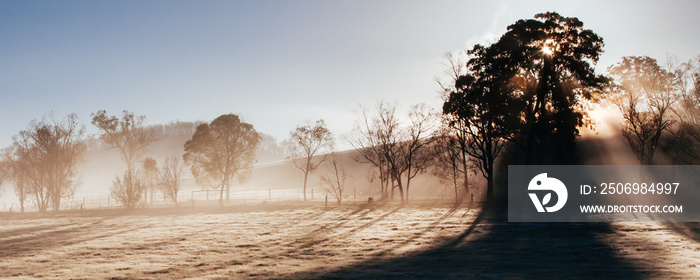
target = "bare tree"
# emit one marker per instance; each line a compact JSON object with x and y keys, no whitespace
{"x":400,"y":152}
{"x":169,"y":178}
{"x":417,"y":156}
{"x":682,"y":144}
{"x":387,"y":128}
{"x":44,"y":157}
{"x":150,"y":175}
{"x":220,"y":150}
{"x":453,"y":137}
{"x":450,"y":161}
{"x":455,"y":67}
{"x":306,"y":142}
{"x":646,"y":98}
{"x":364,"y":138}
{"x":334,"y":183}
{"x":128,"y":189}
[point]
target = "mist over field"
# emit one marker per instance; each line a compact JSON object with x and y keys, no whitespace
{"x":349,"y":140}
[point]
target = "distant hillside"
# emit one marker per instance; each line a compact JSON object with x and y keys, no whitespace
{"x":361,"y":177}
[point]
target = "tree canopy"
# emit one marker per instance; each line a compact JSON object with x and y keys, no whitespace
{"x":220,"y":150}
{"x":548,"y":64}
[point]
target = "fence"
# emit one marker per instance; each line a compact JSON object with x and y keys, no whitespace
{"x":237,"y":196}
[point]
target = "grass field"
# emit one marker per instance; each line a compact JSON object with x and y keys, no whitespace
{"x":355,"y":242}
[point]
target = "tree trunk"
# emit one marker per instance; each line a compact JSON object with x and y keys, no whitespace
{"x":489,"y":188}
{"x":454,"y":184}
{"x":408,"y":185}
{"x":306,"y":176}
{"x":465,"y":185}
{"x":221,"y":195}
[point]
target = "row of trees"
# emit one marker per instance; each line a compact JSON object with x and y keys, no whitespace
{"x":42,"y":160}
{"x":530,"y":92}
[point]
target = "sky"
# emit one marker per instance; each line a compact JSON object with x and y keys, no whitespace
{"x":277,"y":63}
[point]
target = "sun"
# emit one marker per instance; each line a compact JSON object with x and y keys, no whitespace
{"x":548,"y":47}
{"x":547,"y":50}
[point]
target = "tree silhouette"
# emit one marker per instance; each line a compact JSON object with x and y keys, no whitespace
{"x":220,"y":150}
{"x":304,"y":143}
{"x":451,"y":160}
{"x":453,"y":139}
{"x":548,"y":63}
{"x":530,"y":87}
{"x":483,"y":110}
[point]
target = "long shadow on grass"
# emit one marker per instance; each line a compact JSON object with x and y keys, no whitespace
{"x":499,"y":249}
{"x":19,"y":243}
{"x":690,"y":230}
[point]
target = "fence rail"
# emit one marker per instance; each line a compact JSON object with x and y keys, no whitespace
{"x":192,"y":198}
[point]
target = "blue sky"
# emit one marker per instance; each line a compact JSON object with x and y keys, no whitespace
{"x":276,"y":63}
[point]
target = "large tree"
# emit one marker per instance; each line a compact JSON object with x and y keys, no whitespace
{"x":304,"y":145}
{"x":44,"y":158}
{"x":220,"y":150}
{"x":530,"y":87}
{"x":549,"y":63}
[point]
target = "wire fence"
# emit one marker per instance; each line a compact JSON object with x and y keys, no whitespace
{"x":236,"y":196}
